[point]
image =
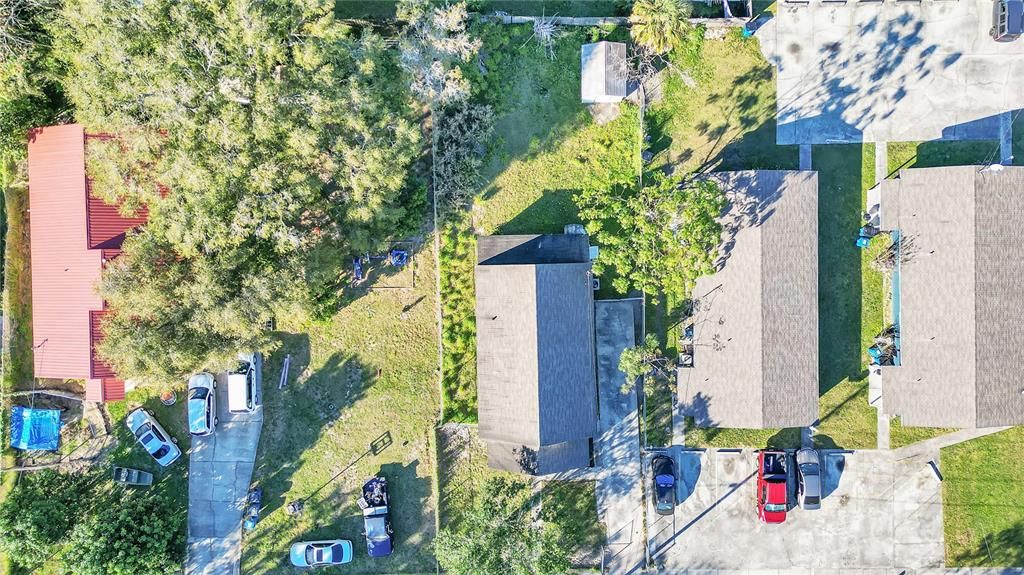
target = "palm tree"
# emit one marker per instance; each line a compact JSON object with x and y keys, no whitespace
{"x":659,"y":25}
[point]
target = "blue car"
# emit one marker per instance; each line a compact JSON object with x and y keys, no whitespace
{"x":156,"y":441}
{"x":376,"y":518}
{"x":321,"y":553}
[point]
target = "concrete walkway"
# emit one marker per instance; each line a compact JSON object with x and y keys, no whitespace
{"x":620,"y":486}
{"x":933,"y":445}
{"x":220,"y":471}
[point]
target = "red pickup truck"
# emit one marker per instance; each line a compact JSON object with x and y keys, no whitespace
{"x":772,"y":494}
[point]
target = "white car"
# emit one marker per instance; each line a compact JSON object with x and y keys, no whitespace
{"x":202,"y":404}
{"x":243,"y":384}
{"x":153,"y":437}
{"x":321,"y":553}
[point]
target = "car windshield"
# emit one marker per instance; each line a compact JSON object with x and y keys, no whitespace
{"x":337,"y":552}
{"x":164,"y":450}
{"x":774,"y":507}
{"x":376,"y":528}
{"x":809,"y":469}
{"x":198,"y":393}
{"x":664,"y":506}
{"x":811,"y":500}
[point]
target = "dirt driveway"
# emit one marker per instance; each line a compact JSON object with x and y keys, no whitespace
{"x":877,"y":512}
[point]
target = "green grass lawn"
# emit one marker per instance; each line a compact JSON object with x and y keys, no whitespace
{"x":983,"y":501}
{"x":934,"y":154}
{"x":368,"y":374}
{"x":572,"y":506}
{"x":900,"y":436}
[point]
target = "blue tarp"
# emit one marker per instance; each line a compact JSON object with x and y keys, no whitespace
{"x":35,"y":428}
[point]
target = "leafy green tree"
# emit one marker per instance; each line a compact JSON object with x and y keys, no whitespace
{"x":497,"y":535}
{"x":142,"y":534}
{"x":659,"y":25}
{"x":39,"y":514}
{"x":30,"y":90}
{"x":268,"y":144}
{"x":658,"y":239}
{"x":639,"y":360}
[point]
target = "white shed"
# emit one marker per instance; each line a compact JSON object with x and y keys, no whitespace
{"x":603,"y":77}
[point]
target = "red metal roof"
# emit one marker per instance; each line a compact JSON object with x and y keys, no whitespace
{"x":71,"y":233}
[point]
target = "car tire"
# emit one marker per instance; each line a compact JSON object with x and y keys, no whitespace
{"x":215,"y":384}
{"x":174,"y":440}
{"x":216,"y":421}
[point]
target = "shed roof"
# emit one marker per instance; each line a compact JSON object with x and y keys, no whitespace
{"x":961,"y":346}
{"x":756,"y":318}
{"x":71,"y":232}
{"x":603,"y":75}
{"x":536,"y":381}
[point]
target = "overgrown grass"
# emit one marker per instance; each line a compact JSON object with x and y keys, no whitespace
{"x":458,"y":256}
{"x":572,"y":507}
{"x":366,"y":376}
{"x":983,"y":501}
{"x":660,"y":393}
{"x":17,"y":311}
{"x":569,"y":505}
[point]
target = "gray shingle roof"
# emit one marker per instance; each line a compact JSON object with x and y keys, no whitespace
{"x":536,"y":384}
{"x":756,"y":318}
{"x":962,"y":344}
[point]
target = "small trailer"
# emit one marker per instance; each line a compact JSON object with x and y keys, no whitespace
{"x":134,"y":477}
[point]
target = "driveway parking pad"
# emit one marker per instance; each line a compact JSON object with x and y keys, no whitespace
{"x":876,"y":513}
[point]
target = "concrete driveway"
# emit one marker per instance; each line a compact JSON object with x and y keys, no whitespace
{"x":888,"y":71}
{"x":220,"y":471}
{"x":877,"y":513}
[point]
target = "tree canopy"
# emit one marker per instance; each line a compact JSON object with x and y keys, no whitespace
{"x":498,"y":536}
{"x":269,"y":144}
{"x":658,"y":239}
{"x":659,"y":25}
{"x":40,"y":513}
{"x":140,"y":535}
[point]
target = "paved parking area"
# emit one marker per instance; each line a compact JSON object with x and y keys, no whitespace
{"x":220,"y":470}
{"x":879,"y":71}
{"x":878,"y":513}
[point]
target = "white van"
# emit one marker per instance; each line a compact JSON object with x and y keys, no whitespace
{"x":242,"y":386}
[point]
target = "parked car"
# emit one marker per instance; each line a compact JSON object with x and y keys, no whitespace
{"x":321,"y":553}
{"x":243,"y":384}
{"x":663,"y":469}
{"x":153,"y":437}
{"x":808,"y":479}
{"x":772,"y":496}
{"x":202,"y":404}
{"x":1007,"y":20}
{"x":376,"y":518}
{"x":134,"y":477}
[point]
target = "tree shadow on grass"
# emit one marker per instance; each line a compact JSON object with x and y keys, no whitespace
{"x":840,"y":283}
{"x":1004,"y":548}
{"x":296,"y":416}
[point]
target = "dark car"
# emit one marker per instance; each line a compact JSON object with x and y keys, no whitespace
{"x":663,"y":468}
{"x":376,"y":518}
{"x":1007,"y":20}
